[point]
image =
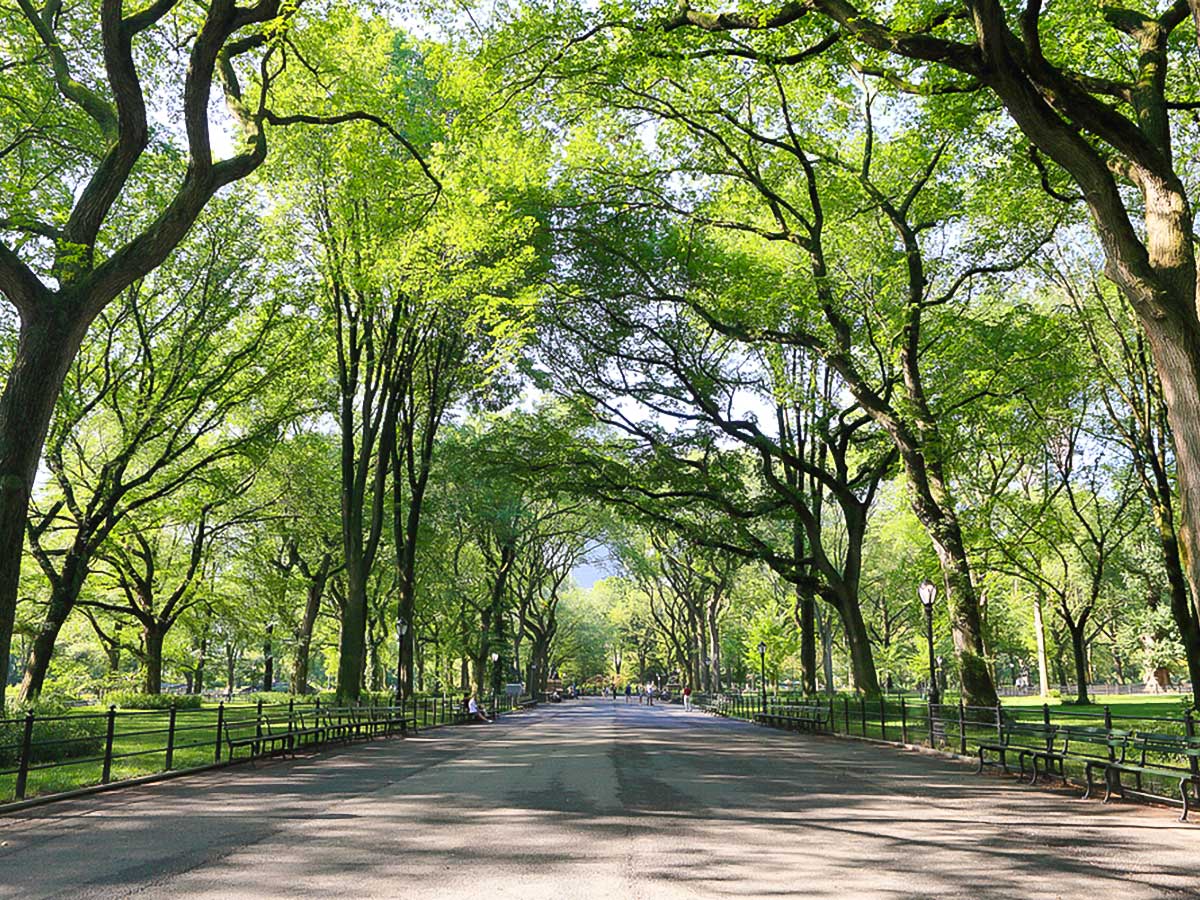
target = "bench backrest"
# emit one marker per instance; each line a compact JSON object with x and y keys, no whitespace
{"x":1168,"y":745}
{"x":241,"y":729}
{"x":1113,"y":740}
{"x":1036,"y":730}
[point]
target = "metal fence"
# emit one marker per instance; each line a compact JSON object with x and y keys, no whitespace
{"x":50,"y":754}
{"x":959,"y":728}
{"x":1098,"y":690}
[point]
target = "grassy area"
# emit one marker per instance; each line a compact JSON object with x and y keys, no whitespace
{"x":140,"y":740}
{"x":895,"y":720}
{"x":1141,"y":706}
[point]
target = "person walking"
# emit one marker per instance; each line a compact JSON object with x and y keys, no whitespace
{"x":628,"y":692}
{"x":687,"y":698}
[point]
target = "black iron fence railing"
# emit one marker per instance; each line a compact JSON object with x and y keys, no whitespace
{"x":50,"y":754}
{"x":961,"y":729}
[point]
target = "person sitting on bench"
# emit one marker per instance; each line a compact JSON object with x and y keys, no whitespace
{"x":475,"y":713}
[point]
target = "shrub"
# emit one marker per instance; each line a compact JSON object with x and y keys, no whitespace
{"x":366,"y":698}
{"x":274,"y":698}
{"x":53,"y":724}
{"x":135,"y":700}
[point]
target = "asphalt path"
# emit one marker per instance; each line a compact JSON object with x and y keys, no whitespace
{"x":594,"y":799}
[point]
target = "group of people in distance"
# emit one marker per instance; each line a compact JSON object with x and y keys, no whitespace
{"x":645,"y":694}
{"x":648,"y":692}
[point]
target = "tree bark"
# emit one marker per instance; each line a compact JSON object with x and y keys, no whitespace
{"x":37,"y":664}
{"x":1039,"y":631}
{"x":48,"y":340}
{"x":269,"y":660}
{"x":152,"y":658}
{"x":314,"y":590}
{"x":201,"y":659}
{"x":1079,"y":651}
{"x":862,"y":660}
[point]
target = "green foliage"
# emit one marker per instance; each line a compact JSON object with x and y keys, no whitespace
{"x":135,"y":700}
{"x":57,"y":733}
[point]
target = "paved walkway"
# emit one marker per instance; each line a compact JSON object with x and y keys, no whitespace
{"x":590,"y":800}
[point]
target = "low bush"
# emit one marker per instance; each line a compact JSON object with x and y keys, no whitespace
{"x":274,"y":698}
{"x":56,"y":734}
{"x":135,"y":700}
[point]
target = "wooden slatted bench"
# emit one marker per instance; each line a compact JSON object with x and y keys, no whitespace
{"x":1098,"y":745}
{"x":803,"y":717}
{"x":260,"y":735}
{"x":1040,"y":736}
{"x":1170,"y":757}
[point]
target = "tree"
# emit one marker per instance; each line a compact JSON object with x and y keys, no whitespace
{"x":182,"y":372}
{"x":1131,"y":395}
{"x":1103,"y":118}
{"x":84,"y":175}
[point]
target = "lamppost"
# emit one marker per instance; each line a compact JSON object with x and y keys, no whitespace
{"x":928,"y":593}
{"x":762,"y":673}
{"x":495,"y":672}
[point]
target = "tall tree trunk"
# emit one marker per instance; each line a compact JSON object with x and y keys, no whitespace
{"x":269,"y":660}
{"x":314,"y":591}
{"x":825,"y":625}
{"x":48,"y":340}
{"x":1185,"y":614}
{"x":152,"y":650}
{"x":37,"y":664}
{"x":1039,"y":632}
{"x":202,"y":658}
{"x":862,"y":660}
{"x":965,"y":621}
{"x":230,"y":669}
{"x":714,"y":650}
{"x":352,"y":655}
{"x":808,"y":644}
{"x":1079,"y":651}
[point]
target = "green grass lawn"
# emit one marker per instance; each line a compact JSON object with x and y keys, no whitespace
{"x":139,"y":745}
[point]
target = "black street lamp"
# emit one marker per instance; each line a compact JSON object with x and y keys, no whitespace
{"x":495,"y":673}
{"x":762,"y":672}
{"x":928,"y":593}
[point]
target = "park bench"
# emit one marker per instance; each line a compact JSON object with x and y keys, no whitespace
{"x":1022,"y":738}
{"x":1142,"y":756}
{"x":260,"y":735}
{"x":795,"y":717}
{"x":399,"y":719}
{"x":370,"y":723}
{"x":336,"y":725}
{"x":1084,"y":744}
{"x":306,"y":728}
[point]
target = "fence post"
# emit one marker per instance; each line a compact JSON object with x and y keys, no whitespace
{"x":106,"y":773}
{"x":1112,"y":751}
{"x":882,"y":718}
{"x":220,"y":725}
{"x":291,"y":712}
{"x":862,"y":713}
{"x":846,"y":712}
{"x":903,"y":721}
{"x":962,"y":728}
{"x":929,"y":719}
{"x":26,"y":752}
{"x":170,"y":738}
